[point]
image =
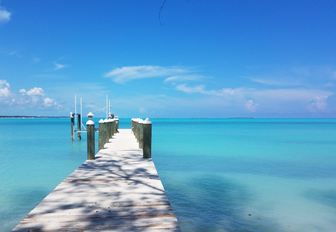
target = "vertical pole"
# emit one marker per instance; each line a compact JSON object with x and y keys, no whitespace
{"x":147,"y":139}
{"x":75,"y":105}
{"x":72,"y":124}
{"x":79,"y":126}
{"x":141,"y":126}
{"x":137,"y":129}
{"x":106,"y":130}
{"x":81,"y":111}
{"x":90,"y":128}
{"x":113,"y":127}
{"x":102,"y":133}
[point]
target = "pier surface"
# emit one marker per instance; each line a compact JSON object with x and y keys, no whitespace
{"x":118,"y":191}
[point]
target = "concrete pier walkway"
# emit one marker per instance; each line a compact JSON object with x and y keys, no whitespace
{"x":118,"y":191}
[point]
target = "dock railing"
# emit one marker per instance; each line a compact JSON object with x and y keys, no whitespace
{"x":142,"y":130}
{"x":107,"y":128}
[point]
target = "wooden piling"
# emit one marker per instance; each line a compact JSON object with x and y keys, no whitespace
{"x":140,"y":135}
{"x":79,"y":126}
{"x":113,"y":127}
{"x":117,"y":125}
{"x":147,"y":138}
{"x":109,"y":128}
{"x":102,"y":135}
{"x":90,"y":128}
{"x":72,"y":125}
{"x":106,"y":130}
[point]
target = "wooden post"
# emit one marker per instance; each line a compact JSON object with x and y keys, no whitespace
{"x":79,"y":126}
{"x":113,"y":127}
{"x":147,"y":138}
{"x":137,"y":129}
{"x":102,"y":133}
{"x":109,"y":128}
{"x":90,"y":128}
{"x":141,"y":133}
{"x":72,"y":124}
{"x":106,"y":130}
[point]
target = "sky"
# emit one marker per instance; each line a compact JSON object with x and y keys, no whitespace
{"x":173,"y":58}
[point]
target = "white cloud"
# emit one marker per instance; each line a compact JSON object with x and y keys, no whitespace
{"x":36,"y":91}
{"x":311,"y":99}
{"x":250,"y":105}
{"x":200,"y":89}
{"x":275,"y":82}
{"x":191,"y":89}
{"x":59,"y":66}
{"x":49,"y":102}
{"x":31,"y":98}
{"x":318,"y":104}
{"x":183,"y":78}
{"x":128,"y":73}
{"x":4,"y":88}
{"x":5,"y":15}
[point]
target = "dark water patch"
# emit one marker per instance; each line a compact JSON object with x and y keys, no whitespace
{"x":212,"y":203}
{"x":325,"y":197}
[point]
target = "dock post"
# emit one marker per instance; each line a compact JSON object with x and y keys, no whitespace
{"x":79,"y":126}
{"x":72,"y":124}
{"x":137,"y":129}
{"x":147,"y":138}
{"x":102,"y":135}
{"x":113,"y":127}
{"x":117,"y":126}
{"x":90,"y":128}
{"x":109,"y":129}
{"x":107,"y":139}
{"x":141,"y":127}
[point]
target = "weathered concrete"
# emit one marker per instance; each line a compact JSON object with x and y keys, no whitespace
{"x":118,"y":191}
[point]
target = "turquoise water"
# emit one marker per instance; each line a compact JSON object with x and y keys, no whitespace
{"x":219,"y":174}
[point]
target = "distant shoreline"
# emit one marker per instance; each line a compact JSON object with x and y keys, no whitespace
{"x":27,"y":116}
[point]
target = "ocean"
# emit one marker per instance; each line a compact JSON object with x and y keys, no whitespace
{"x":220,"y":174}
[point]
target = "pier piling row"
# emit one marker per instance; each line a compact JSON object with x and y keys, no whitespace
{"x":142,"y":130}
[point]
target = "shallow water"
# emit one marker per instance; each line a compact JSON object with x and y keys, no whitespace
{"x":220,"y":174}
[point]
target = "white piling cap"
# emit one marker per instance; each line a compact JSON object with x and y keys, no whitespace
{"x":90,"y":114}
{"x":101,"y":121}
{"x":105,"y":120}
{"x":90,"y":122}
{"x":71,"y":115}
{"x":147,"y":121}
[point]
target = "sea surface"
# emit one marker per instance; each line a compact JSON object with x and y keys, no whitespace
{"x":260,"y":175}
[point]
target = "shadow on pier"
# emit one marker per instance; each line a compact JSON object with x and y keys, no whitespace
{"x":122,"y":193}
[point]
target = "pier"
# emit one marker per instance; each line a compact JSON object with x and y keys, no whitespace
{"x":116,"y":189}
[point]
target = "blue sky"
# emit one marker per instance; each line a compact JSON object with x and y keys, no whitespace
{"x":202,"y":59}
